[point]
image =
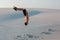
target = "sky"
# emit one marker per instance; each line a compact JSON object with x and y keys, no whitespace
{"x":51,"y":4}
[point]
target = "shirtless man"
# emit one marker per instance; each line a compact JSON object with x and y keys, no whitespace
{"x":26,"y":18}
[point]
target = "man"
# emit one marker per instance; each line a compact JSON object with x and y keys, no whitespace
{"x":25,"y":14}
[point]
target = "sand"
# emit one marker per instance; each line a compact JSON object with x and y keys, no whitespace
{"x":46,"y":25}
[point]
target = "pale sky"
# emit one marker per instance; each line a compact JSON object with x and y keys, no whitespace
{"x":51,"y":4}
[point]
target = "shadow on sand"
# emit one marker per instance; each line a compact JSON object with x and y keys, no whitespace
{"x":26,"y":37}
{"x":17,"y":15}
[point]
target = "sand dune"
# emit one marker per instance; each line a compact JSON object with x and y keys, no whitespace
{"x":43,"y":23}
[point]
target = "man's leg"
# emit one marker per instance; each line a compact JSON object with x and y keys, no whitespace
{"x":20,"y":9}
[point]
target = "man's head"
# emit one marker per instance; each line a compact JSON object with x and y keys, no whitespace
{"x":25,"y":23}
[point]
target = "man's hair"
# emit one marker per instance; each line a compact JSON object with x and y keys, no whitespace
{"x":25,"y":23}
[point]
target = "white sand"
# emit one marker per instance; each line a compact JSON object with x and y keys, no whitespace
{"x":45,"y":21}
{"x":48,"y":19}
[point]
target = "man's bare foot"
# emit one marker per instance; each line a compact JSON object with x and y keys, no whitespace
{"x":15,"y":8}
